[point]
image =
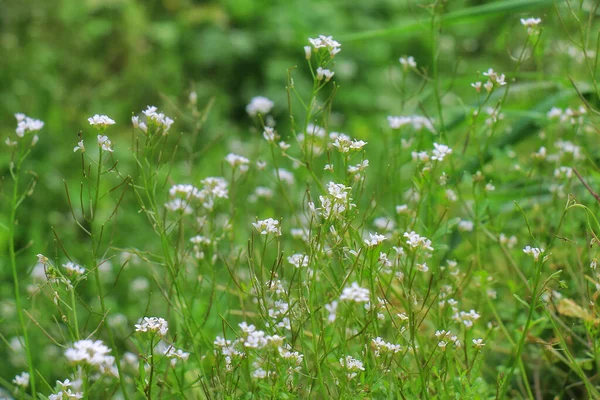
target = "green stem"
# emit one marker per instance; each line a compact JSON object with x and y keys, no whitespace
{"x":13,"y":262}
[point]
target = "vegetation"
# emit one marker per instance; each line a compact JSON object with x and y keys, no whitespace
{"x":182,"y":216}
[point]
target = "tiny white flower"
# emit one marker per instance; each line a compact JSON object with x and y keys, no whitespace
{"x":79,"y":146}
{"x":105,"y":143}
{"x":259,"y":105}
{"x":101,"y":121}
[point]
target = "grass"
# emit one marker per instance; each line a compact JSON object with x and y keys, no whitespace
{"x":233,"y":243}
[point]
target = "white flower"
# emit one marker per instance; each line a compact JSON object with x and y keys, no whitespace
{"x":477,"y":86}
{"x":105,"y":143}
{"x":422,"y":267}
{"x":478,"y":343}
{"x":418,"y":122}
{"x":270,"y":135}
{"x":531,"y":24}
{"x":237,"y":162}
{"x":22,"y":380}
{"x":153,"y":324}
{"x":440,"y":151}
{"x":259,"y":105}
{"x":26,"y":124}
{"x":332,"y":310}
{"x":324,"y":74}
{"x":155,"y":118}
{"x":465,"y":226}
{"x":414,"y":241}
{"x":408,"y":62}
{"x":73,"y":268}
{"x":90,"y":352}
{"x":179,"y":205}
{"x":101,"y":121}
{"x":352,"y":365}
{"x":307,"y":52}
{"x":355,"y":293}
{"x":494,"y":77}
{"x":268,"y":226}
{"x":374,"y":239}
{"x":259,"y":373}
{"x":326,"y":42}
{"x":298,"y":260}
{"x":285,"y":176}
{"x":175,"y":355}
{"x":79,"y":146}
{"x":535,"y":252}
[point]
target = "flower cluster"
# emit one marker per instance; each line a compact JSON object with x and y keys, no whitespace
{"x":259,"y":105}
{"x":417,"y":122}
{"x":268,"y":226}
{"x":326,"y":42}
{"x":156,"y":122}
{"x":356,"y":294}
{"x":101,"y":122}
{"x":26,"y":124}
{"x":153,"y":325}
{"x":352,"y":366}
{"x":93,"y":353}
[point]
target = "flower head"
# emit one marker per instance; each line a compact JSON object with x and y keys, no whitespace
{"x":259,"y":105}
{"x":153,"y":324}
{"x":101,"y":122}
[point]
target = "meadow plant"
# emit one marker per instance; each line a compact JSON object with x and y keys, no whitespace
{"x":415,"y":261}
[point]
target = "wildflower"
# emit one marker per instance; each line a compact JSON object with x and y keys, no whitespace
{"x":489,"y":187}
{"x":477,"y":86}
{"x":270,"y":135}
{"x":374,"y":239}
{"x":259,"y":105}
{"x":414,"y":241}
{"x":90,"y":352}
{"x":332,"y":310}
{"x":285,"y":176}
{"x":267,"y":226}
{"x":422,"y":267}
{"x":535,"y":252}
{"x":259,"y":373}
{"x":307,"y":52}
{"x":105,"y":143}
{"x":101,"y":122}
{"x":352,"y":365}
{"x":531,"y":24}
{"x":239,"y":162}
{"x":175,"y":355}
{"x":73,"y":268}
{"x":408,"y":62}
{"x":79,"y":146}
{"x":26,"y":124}
{"x":179,"y":205}
{"x":416,"y":121}
{"x":495,"y":78}
{"x":489,"y":86}
{"x":465,"y":226}
{"x":478,"y":343}
{"x":157,"y":119}
{"x":355,"y":293}
{"x":326,"y":42}
{"x":298,"y":260}
{"x":22,"y":380}
{"x":42,"y":259}
{"x":324,"y":74}
{"x":283,"y":145}
{"x":402,"y":209}
{"x":153,"y":324}
{"x":381,"y":345}
{"x":440,"y":151}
